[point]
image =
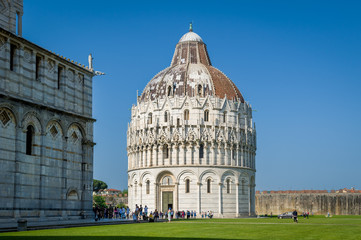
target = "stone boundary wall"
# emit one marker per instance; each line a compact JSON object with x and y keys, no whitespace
{"x":319,"y":203}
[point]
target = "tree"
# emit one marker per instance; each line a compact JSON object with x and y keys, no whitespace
{"x":125,"y":191}
{"x":97,"y":185}
{"x":99,"y":201}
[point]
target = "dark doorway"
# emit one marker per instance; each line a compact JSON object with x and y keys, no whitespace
{"x":167,"y":201}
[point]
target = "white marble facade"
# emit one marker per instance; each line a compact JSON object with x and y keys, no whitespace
{"x":191,"y":141}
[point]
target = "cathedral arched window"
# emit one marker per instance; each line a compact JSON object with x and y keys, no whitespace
{"x":206,"y":115}
{"x":150,"y":118}
{"x":165,"y":151}
{"x":166,"y":116}
{"x":209,"y":185}
{"x":228,"y":185}
{"x":186,"y":114}
{"x":187,"y":185}
{"x":147,"y":187}
{"x":199,"y":90}
{"x":201,"y":150}
{"x":233,"y":154}
{"x":239,"y":118}
{"x":224,"y":116}
{"x":29,"y":139}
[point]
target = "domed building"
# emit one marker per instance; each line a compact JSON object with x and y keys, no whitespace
{"x":191,"y":142}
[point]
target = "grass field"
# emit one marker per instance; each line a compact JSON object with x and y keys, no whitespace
{"x":337,"y":227}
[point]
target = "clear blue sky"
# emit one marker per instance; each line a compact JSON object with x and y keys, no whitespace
{"x":297,"y":62}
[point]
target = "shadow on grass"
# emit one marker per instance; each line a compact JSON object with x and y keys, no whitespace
{"x":103,"y":238}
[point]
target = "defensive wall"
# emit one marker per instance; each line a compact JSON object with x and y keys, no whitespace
{"x":318,"y":202}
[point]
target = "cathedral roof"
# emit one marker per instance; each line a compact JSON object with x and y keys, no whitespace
{"x":191,"y":73}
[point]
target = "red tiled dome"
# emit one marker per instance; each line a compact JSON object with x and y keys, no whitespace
{"x":192,"y":74}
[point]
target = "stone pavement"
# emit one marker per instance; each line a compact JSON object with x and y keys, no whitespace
{"x":12,"y":227}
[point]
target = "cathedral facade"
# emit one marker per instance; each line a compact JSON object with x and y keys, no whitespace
{"x":46,"y":128}
{"x":191,"y":142}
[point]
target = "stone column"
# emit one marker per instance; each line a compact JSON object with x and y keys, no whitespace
{"x":226,"y":155}
{"x":242,"y":157}
{"x":176,"y":154}
{"x":238,"y":158}
{"x":190,"y":159}
{"x":196,"y":158}
{"x":140,"y":193}
{"x":205,"y":155}
{"x":149,"y":157}
{"x":220,"y":199}
{"x":156,"y":196}
{"x":160,"y":155}
{"x":199,"y":197}
{"x":249,"y":199}
{"x":184,"y":146}
{"x":155,"y":155}
{"x":176,"y":197}
{"x":219,"y":154}
{"x":170,"y":157}
{"x":213,"y":155}
{"x":237,"y":199}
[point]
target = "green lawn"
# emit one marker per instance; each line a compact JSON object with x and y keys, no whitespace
{"x":337,"y":227}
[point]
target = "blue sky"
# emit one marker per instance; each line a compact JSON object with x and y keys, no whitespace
{"x":298,"y":63}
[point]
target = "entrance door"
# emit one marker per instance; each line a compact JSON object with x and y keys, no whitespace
{"x":167,"y":201}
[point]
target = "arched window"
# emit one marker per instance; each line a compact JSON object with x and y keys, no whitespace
{"x":239,"y":118}
{"x":178,"y":122}
{"x":206,"y":115}
{"x":169,"y":91}
{"x":224,"y":117}
{"x":165,"y":151}
{"x":167,"y":180}
{"x":201,"y":150}
{"x":147,"y":187}
{"x":187,"y":186}
{"x":186,"y":114}
{"x":29,"y":139}
{"x":150,"y":118}
{"x":233,"y":154}
{"x":166,"y":116}
{"x":208,"y":185}
{"x":228,"y":182}
{"x":199,"y":90}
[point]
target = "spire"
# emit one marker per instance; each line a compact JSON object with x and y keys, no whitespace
{"x":191,"y":27}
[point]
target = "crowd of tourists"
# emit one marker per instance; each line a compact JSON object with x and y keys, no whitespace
{"x":143,"y":213}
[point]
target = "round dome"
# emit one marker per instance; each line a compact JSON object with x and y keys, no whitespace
{"x":191,"y":74}
{"x":191,"y":37}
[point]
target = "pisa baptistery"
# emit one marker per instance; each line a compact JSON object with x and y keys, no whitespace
{"x":191,"y":142}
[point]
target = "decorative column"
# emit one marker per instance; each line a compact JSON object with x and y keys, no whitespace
{"x":213,"y":155}
{"x":176,"y":154}
{"x":242,"y":157}
{"x":237,"y":199}
{"x":149,"y":156}
{"x":249,"y":199}
{"x":184,"y":146}
{"x":156,"y":196}
{"x":160,"y":155}
{"x":155,"y":155}
{"x":205,"y":154}
{"x":238,"y":159}
{"x":141,"y":193}
{"x":144,"y":156}
{"x":199,"y":197}
{"x":170,"y":157}
{"x":176,"y":197}
{"x":220,"y":199}
{"x":196,"y":158}
{"x":137,"y":158}
{"x":226,"y":154}
{"x":219,"y":154}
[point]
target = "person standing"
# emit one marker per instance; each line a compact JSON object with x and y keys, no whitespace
{"x":294,"y":215}
{"x":169,"y":215}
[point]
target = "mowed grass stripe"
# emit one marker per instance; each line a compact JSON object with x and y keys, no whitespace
{"x":313,"y":228}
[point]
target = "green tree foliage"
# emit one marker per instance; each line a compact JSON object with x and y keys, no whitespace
{"x":125,"y":191}
{"x":99,"y":201}
{"x":97,"y":185}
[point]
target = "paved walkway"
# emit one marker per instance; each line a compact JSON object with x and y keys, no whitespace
{"x":10,"y":227}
